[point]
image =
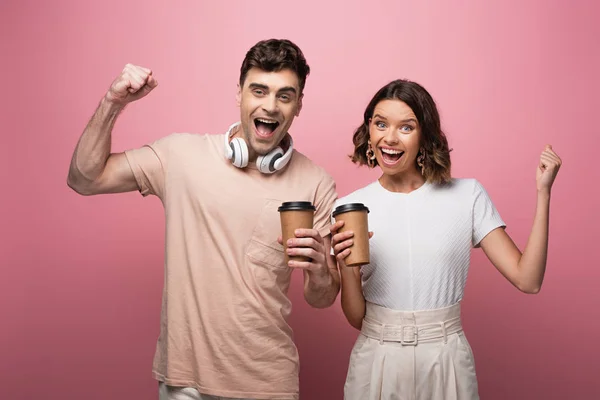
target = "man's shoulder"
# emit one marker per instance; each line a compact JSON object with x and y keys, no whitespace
{"x":184,"y":142}
{"x":301,"y":164}
{"x":186,"y":138}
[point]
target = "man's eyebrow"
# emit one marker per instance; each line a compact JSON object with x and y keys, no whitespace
{"x":258,"y":86}
{"x":288,"y":89}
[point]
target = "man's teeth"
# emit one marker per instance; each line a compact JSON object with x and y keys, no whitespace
{"x":266,"y":121}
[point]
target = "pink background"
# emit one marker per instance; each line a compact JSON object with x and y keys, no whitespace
{"x":81,"y":277}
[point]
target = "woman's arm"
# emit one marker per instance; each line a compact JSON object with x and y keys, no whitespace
{"x":526,"y":270}
{"x":352,"y":298}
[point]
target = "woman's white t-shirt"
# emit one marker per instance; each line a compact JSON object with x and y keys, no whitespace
{"x":422,"y":241}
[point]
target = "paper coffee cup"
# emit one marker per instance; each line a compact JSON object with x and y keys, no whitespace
{"x":295,"y":215}
{"x":355,"y":219}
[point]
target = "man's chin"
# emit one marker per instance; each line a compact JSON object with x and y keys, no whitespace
{"x":264,"y":146}
{"x":263,"y":150}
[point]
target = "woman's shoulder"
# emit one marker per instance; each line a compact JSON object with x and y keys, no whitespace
{"x":359,"y":195}
{"x":458,"y":185}
{"x":465,"y":189}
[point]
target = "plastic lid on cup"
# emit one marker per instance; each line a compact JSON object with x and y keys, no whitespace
{"x":344,"y":208}
{"x":296,"y":206}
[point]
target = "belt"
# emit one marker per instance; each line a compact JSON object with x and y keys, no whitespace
{"x":410,"y":334}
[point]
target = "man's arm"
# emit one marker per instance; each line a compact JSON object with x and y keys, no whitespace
{"x":93,"y":169}
{"x":321,"y":277}
{"x":322,"y":286}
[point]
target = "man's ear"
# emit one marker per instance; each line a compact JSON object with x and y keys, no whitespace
{"x":238,"y":96}
{"x":299,"y":105}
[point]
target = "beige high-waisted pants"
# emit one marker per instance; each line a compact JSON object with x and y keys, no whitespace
{"x":421,"y":355}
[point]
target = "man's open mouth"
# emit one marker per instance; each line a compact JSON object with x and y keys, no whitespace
{"x":265,"y":126}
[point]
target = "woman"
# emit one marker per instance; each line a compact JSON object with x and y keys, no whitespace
{"x":406,"y":302}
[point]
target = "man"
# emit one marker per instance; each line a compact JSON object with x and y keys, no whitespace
{"x":224,"y":329}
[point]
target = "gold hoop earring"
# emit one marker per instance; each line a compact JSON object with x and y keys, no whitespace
{"x":370,"y":156}
{"x":421,"y":160}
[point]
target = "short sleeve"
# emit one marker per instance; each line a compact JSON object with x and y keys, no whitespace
{"x":485,"y":216}
{"x":148,"y":165}
{"x":325,"y":198}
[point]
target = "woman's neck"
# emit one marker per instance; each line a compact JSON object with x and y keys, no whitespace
{"x":404,"y":182}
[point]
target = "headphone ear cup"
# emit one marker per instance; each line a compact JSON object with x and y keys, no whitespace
{"x":282,"y":161}
{"x":240,"y":153}
{"x":266,"y":163}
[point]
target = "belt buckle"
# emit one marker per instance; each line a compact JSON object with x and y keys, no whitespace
{"x":415,"y":338}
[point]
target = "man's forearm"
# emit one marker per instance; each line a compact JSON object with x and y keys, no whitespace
{"x":321,"y":288}
{"x":93,"y":148}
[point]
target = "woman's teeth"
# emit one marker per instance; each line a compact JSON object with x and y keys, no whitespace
{"x":391,"y":156}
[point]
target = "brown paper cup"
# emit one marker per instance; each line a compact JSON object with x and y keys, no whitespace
{"x":355,"y":217}
{"x":295,"y":215}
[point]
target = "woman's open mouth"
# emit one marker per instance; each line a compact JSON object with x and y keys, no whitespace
{"x":391,"y":157}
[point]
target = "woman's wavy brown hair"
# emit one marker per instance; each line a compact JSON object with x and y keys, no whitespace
{"x":436,"y":163}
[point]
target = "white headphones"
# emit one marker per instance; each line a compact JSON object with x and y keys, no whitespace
{"x":236,"y":150}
